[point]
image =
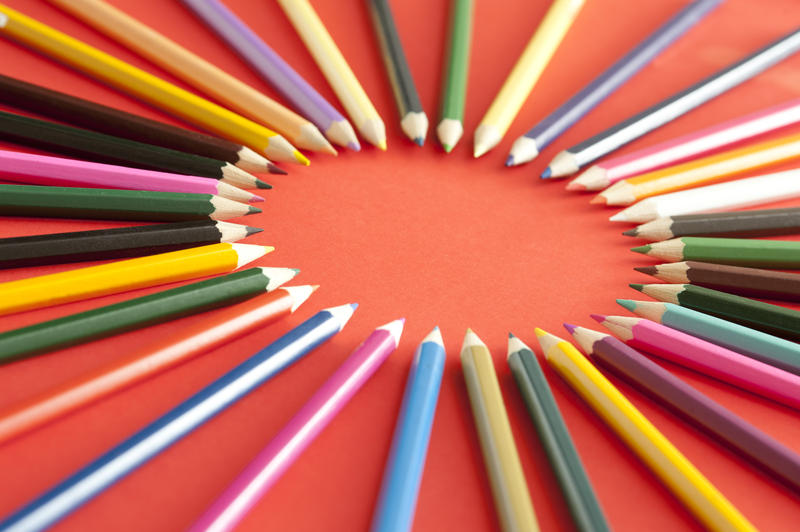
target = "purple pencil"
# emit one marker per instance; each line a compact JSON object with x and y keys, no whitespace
{"x":760,"y":447}
{"x":259,"y":476}
{"x":528,"y":146}
{"x":57,"y":171}
{"x":275,"y":71}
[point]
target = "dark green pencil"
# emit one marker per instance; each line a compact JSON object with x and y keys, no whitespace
{"x":773,"y":319}
{"x":113,"y":204}
{"x":140,"y":312}
{"x":567,"y":466}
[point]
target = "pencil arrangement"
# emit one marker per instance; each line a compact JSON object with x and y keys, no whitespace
{"x":125,"y":167}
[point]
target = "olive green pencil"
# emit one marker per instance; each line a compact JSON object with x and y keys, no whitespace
{"x":456,"y":67}
{"x":779,"y":254}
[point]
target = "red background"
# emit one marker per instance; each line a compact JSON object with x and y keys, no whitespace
{"x":411,"y":232}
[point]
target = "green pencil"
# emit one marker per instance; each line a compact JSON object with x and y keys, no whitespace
{"x":108,"y":204}
{"x":567,"y":466}
{"x":755,"y":344}
{"x":736,"y":251}
{"x":456,"y":66}
{"x":772,"y":319}
{"x":140,"y":312}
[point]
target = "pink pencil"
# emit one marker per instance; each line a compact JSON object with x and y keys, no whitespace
{"x":706,"y":358}
{"x":45,"y":170}
{"x":259,"y":476}
{"x":609,"y":171}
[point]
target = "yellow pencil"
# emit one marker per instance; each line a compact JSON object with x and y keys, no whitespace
{"x":525,"y":74}
{"x":196,"y":71}
{"x":147,"y":87}
{"x":694,"y":490}
{"x":121,"y":276}
{"x":511,"y":497}
{"x":336,"y":70}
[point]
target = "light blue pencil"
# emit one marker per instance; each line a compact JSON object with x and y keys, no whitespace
{"x":401,"y":478}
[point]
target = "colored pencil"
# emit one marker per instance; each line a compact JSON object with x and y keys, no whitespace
{"x":772,"y":319}
{"x":117,"y":243}
{"x":750,"y":282}
{"x":701,"y":171}
{"x":526,"y":72}
{"x":44,"y":170}
{"x":456,"y":68}
{"x":673,"y":151}
{"x":102,"y":148}
{"x":587,"y":515}
{"x":112,"y":204}
{"x":413,"y":120}
{"x":394,"y":511}
{"x":751,"y":252}
{"x":277,"y":72}
{"x":196,"y":71}
{"x":678,"y":474}
{"x":333,"y":65}
{"x":528,"y":146}
{"x":761,"y":448}
{"x":124,"y":275}
{"x":706,"y":358}
{"x":266,"y":468}
{"x":147,"y":87}
{"x":755,"y":344}
{"x":572,"y":159}
{"x":764,"y":222}
{"x":174,"y":348}
{"x":731,"y":195}
{"x":95,"y":117}
{"x":511,"y":498}
{"x":139,"y":312}
{"x":100,"y":474}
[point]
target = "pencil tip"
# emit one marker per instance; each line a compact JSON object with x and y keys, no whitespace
{"x":637,"y":286}
{"x":253,"y":210}
{"x":599,"y":318}
{"x":419,"y":141}
{"x":631,"y":232}
{"x":510,"y":161}
{"x":546,"y":173}
{"x":273,"y":168}
{"x":447,"y":147}
{"x":354,"y":146}
{"x":570,"y":327}
{"x":627,"y":304}
{"x":511,"y":335}
{"x":300,"y":158}
{"x":572,"y":185}
{"x":642,"y":249}
{"x":263,"y":184}
{"x":649,"y":270}
{"x":252,"y":230}
{"x":598,"y":200}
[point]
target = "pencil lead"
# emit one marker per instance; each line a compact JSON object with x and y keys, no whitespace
{"x":419,"y":141}
{"x":642,"y":249}
{"x":510,"y":160}
{"x":273,"y":168}
{"x":649,"y":270}
{"x":300,"y":158}
{"x":295,"y":270}
{"x":637,"y":286}
{"x":354,"y":146}
{"x":631,"y":232}
{"x":447,"y":148}
{"x":599,"y":318}
{"x":253,"y":210}
{"x":252,"y":230}
{"x":511,"y":335}
{"x":546,"y":173}
{"x":263,"y":184}
{"x":570,"y":327}
{"x":382,"y":145}
{"x":627,"y":304}
{"x":572,"y":185}
{"x":598,"y":200}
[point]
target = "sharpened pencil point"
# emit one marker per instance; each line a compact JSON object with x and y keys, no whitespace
{"x":419,"y":141}
{"x":627,"y":304}
{"x":295,"y":270}
{"x":300,"y":158}
{"x":252,"y":230}
{"x":540,"y":332}
{"x":546,"y":173}
{"x":382,"y":145}
{"x":572,"y":185}
{"x":354,"y":146}
{"x":253,"y":210}
{"x":273,"y":168}
{"x":511,"y":335}
{"x":510,"y":161}
{"x":598,"y":200}
{"x":314,"y":287}
{"x":599,"y":318}
{"x":637,"y":286}
{"x":631,"y":232}
{"x":649,"y":270}
{"x":642,"y":249}
{"x":447,"y":148}
{"x":570,"y":327}
{"x":263,"y":184}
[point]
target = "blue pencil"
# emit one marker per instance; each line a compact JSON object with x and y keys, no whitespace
{"x":528,"y":146}
{"x":401,"y":478}
{"x":78,"y":489}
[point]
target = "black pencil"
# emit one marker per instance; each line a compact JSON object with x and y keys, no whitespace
{"x":102,"y":148}
{"x":764,"y":222}
{"x":113,"y":204}
{"x":82,"y":113}
{"x":120,"y":242}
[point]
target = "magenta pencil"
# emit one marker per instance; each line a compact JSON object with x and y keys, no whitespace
{"x":685,"y":147}
{"x":707,"y":358}
{"x":262,"y":473}
{"x":58,"y":171}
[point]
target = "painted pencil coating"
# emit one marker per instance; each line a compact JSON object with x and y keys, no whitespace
{"x":265,"y":469}
{"x":397,"y":501}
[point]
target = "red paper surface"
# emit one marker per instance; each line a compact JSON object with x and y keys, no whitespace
{"x":439,"y":239}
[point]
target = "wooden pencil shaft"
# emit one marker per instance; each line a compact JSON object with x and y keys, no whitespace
{"x":132,"y":314}
{"x":557,"y":442}
{"x":95,"y":117}
{"x":750,"y":282}
{"x":394,"y":59}
{"x":67,"y":202}
{"x":98,"y":147}
{"x":784,"y":254}
{"x":100,"y":244}
{"x":456,"y":65}
{"x":763,"y":222}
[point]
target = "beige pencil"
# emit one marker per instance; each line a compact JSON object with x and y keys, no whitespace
{"x":511,"y":497}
